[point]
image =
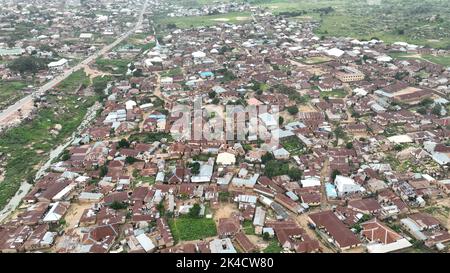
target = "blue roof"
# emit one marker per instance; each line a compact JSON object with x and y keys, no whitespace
{"x":331,"y":190}
{"x":206,"y":74}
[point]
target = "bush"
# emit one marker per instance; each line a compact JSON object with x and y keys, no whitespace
{"x":293,"y":110}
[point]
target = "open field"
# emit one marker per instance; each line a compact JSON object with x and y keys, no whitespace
{"x":119,"y":66}
{"x":27,"y":144}
{"x":190,"y":229}
{"x":421,"y":22}
{"x":209,"y":20}
{"x":10,"y":92}
{"x":442,"y":60}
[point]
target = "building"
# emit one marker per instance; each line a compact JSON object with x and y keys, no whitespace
{"x":346,"y":185}
{"x":333,"y":227}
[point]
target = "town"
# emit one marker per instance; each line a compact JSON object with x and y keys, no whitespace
{"x":348,"y":149}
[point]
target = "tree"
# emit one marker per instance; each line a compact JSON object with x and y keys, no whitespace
{"x":292,"y":110}
{"x":280,"y":120}
{"x":116,"y":205}
{"x":103,"y":171}
{"x":349,"y":145}
{"x":266,"y":158}
{"x":130,"y":160}
{"x":436,"y":110}
{"x":27,"y":64}
{"x":339,"y":133}
{"x":194,"y":212}
{"x":195,"y":168}
{"x":295,"y":174}
{"x":123,"y":143}
{"x":212,"y":94}
{"x":422,"y":110}
{"x":266,"y":236}
{"x":334,"y":174}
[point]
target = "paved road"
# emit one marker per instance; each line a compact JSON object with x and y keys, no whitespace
{"x":12,"y":109}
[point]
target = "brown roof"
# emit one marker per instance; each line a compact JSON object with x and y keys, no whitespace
{"x":244,"y":242}
{"x":337,"y":230}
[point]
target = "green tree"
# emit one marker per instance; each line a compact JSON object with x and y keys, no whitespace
{"x":334,"y":174}
{"x":293,"y":110}
{"x":123,"y":143}
{"x":194,"y":212}
{"x":116,"y":205}
{"x":436,"y":110}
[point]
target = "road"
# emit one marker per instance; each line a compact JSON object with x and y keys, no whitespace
{"x":5,"y":115}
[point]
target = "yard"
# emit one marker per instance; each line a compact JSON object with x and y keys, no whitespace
{"x":190,"y":229}
{"x":293,"y":145}
{"x":273,"y":247}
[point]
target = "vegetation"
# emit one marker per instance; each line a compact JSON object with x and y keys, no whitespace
{"x":293,"y":145}
{"x":273,"y":247}
{"x":248,"y":227}
{"x":118,"y":66}
{"x":29,"y":143}
{"x":189,"y":229}
{"x":10,"y":92}
{"x":28,"y":64}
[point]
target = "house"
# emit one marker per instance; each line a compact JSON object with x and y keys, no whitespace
{"x":366,"y":206}
{"x":228,"y":227}
{"x":338,"y":232}
{"x":56,"y":212}
{"x":59,"y":65}
{"x":281,"y":154}
{"x":259,"y":219}
{"x":244,"y":243}
{"x":346,"y":185}
{"x":226,"y":159}
{"x":222,"y":246}
{"x":382,"y":239}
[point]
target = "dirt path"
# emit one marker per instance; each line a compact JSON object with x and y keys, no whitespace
{"x":323,"y":175}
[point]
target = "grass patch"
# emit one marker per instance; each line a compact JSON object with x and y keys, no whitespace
{"x":248,"y":227}
{"x":337,"y":93}
{"x":10,"y":92}
{"x":273,"y":247}
{"x":208,"y":20}
{"x":189,"y":229}
{"x":292,"y":145}
{"x":442,"y":60}
{"x":119,"y":66}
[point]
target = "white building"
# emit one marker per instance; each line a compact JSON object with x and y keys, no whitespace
{"x":346,"y":185}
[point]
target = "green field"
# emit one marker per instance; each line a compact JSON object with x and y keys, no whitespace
{"x":29,"y":143}
{"x":209,"y":20}
{"x":442,"y":60}
{"x":273,"y":247}
{"x":10,"y":92}
{"x":119,"y":66}
{"x":337,"y":93}
{"x":189,"y":229}
{"x":292,"y":145}
{"x":425,"y":22}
